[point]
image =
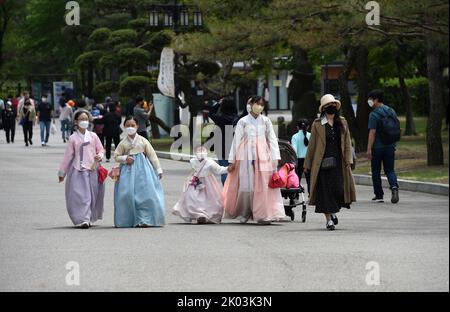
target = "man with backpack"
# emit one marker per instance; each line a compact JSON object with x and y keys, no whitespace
{"x":384,"y":132}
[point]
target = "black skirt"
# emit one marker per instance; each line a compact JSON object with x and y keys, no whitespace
{"x":330,"y":182}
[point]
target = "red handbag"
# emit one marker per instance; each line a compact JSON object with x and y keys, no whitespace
{"x":102,"y":174}
{"x":276,"y":181}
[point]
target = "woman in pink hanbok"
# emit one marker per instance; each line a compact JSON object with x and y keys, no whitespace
{"x":254,"y":157}
{"x":202,"y":198}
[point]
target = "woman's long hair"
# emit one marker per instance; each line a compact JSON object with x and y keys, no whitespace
{"x":303,"y":126}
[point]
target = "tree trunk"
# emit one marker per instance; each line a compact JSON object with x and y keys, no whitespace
{"x":435,"y":153}
{"x":362,"y":115}
{"x":301,"y":89}
{"x":345,"y":99}
{"x":410,"y":128}
{"x":153,"y":121}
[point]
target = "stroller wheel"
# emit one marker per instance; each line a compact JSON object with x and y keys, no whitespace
{"x":303,"y":216}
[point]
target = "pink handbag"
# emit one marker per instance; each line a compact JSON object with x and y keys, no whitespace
{"x":288,"y":175}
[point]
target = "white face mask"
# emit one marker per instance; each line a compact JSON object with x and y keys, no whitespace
{"x":202,"y":155}
{"x":130,"y":130}
{"x":370,"y":102}
{"x":257,"y":109}
{"x":44,"y":99}
{"x":83,"y":124}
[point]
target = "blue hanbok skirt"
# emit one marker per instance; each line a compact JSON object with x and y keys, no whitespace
{"x":138,"y":195}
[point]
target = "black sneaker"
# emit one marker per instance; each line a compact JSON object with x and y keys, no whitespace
{"x":378,"y":199}
{"x":335,"y":220}
{"x":395,"y":198}
{"x":31,"y":142}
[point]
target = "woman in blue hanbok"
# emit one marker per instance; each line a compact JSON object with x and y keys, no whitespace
{"x":138,"y":193}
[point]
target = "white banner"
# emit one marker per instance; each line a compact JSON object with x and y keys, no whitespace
{"x":166,"y":82}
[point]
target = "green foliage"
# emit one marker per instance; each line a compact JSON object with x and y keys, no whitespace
{"x":122,"y":35}
{"x":105,"y":88}
{"x":133,"y":85}
{"x":89,"y":58}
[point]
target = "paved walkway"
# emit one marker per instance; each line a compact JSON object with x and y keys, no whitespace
{"x":409,"y":242}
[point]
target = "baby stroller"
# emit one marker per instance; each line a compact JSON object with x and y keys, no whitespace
{"x":288,"y":155}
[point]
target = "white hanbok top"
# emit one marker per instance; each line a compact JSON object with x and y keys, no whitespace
{"x":207,"y":169}
{"x":251,"y":128}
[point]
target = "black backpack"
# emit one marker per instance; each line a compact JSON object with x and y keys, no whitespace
{"x":389,"y":128}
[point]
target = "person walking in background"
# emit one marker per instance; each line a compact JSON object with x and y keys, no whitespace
{"x":328,"y":159}
{"x":84,"y":193}
{"x":111,"y":129}
{"x":142,"y":116}
{"x":44,"y":113}
{"x":381,"y":146}
{"x":27,"y":119}
{"x":138,"y":192}
{"x":97,"y":114}
{"x":129,"y":109}
{"x":223,"y":114}
{"x":300,"y":142}
{"x":24,"y":98}
{"x":9,"y":115}
{"x":66,"y":118}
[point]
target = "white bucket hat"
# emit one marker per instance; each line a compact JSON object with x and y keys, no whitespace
{"x":327,"y":99}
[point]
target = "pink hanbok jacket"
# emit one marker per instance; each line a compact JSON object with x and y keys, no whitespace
{"x":80,"y":152}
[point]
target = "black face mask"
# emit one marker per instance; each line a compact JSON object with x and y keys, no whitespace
{"x":331,"y":110}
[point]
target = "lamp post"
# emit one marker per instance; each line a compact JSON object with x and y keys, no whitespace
{"x":176,"y":17}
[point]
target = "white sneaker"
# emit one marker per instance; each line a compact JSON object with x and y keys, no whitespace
{"x":243,"y":220}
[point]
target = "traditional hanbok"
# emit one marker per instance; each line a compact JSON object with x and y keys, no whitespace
{"x":84,"y":193}
{"x":204,"y":198}
{"x":253,"y":151}
{"x":138,"y":193}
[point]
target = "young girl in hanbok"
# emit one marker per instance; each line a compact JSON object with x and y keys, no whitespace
{"x":84,"y":193}
{"x":254,"y":158}
{"x":202,"y":198}
{"x":138,"y":193}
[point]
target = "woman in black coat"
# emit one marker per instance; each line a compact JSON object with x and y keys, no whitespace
{"x":9,"y":115}
{"x":111,"y":129}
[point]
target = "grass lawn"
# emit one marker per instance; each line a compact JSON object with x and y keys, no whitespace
{"x":411,"y":157}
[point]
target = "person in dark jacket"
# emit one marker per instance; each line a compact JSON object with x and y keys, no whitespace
{"x":223,"y":114}
{"x":111,"y":129}
{"x":9,"y":115}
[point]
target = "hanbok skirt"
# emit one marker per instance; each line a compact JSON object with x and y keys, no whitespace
{"x":201,"y":203}
{"x":247,"y":194}
{"x":84,"y":196}
{"x":138,"y":195}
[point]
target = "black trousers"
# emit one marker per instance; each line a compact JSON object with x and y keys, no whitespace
{"x":28,"y":131}
{"x":10,"y":133}
{"x":109,"y":141}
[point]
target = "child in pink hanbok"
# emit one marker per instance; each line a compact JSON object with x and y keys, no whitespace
{"x":202,"y":199}
{"x":253,"y":159}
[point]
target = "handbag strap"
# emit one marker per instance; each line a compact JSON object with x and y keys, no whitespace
{"x":200,"y":170}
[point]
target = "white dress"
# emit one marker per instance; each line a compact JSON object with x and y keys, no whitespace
{"x":205,"y":200}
